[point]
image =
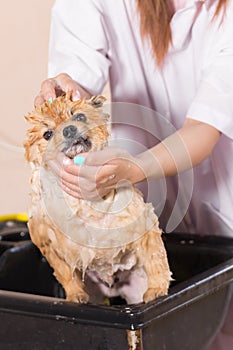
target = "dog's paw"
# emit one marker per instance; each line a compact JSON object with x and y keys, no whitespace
{"x":80,"y":298}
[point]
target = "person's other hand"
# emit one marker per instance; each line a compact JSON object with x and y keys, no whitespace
{"x":102,"y":172}
{"x":54,"y":87}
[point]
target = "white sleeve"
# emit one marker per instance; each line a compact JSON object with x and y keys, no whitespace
{"x":78,"y":44}
{"x":213,"y":103}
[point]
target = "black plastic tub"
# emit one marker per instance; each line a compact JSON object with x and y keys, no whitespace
{"x":34,"y":315}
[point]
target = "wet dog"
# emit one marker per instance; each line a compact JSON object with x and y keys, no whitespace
{"x":111,"y":247}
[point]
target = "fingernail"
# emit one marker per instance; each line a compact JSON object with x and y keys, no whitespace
{"x":78,"y":160}
{"x":77,"y":96}
{"x":67,"y":161}
{"x":50,"y":100}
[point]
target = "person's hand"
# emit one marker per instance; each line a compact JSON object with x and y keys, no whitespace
{"x":54,"y":87}
{"x":102,"y":171}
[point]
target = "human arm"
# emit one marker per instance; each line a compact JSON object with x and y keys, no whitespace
{"x":183,"y":150}
{"x":78,"y":51}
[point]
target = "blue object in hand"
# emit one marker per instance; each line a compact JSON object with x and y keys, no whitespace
{"x":78,"y":160}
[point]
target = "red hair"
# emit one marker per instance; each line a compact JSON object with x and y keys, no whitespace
{"x":155,"y":17}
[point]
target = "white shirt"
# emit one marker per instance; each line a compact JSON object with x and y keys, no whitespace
{"x":99,"y":40}
{"x":178,"y":4}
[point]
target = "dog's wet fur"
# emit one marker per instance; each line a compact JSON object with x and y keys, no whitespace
{"x":137,"y":270}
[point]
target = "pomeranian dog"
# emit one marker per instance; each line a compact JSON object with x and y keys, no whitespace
{"x":98,"y":250}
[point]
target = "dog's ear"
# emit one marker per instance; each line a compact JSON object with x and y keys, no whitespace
{"x":96,"y":101}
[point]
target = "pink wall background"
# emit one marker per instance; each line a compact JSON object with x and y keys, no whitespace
{"x":24,"y":32}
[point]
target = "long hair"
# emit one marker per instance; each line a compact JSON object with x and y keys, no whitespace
{"x":155,"y":18}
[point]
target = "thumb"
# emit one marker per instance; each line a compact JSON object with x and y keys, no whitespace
{"x":97,"y":158}
{"x":76,"y":95}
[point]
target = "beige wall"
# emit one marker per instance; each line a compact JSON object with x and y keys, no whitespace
{"x":24,"y":31}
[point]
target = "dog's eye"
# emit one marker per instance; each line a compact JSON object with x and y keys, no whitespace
{"x":79,"y":117}
{"x":48,"y":134}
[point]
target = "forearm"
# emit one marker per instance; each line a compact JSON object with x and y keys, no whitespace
{"x":183,"y":150}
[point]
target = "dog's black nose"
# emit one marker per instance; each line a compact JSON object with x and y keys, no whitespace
{"x":69,"y":131}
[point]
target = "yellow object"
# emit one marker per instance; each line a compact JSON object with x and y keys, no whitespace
{"x":14,"y":217}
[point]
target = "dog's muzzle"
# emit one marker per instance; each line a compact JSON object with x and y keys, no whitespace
{"x":75,"y":142}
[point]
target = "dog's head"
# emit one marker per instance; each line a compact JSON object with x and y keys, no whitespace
{"x":66,"y":126}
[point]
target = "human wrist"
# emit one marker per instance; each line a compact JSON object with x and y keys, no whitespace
{"x":149,"y":165}
{"x":83,"y":92}
{"x":136,"y":172}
